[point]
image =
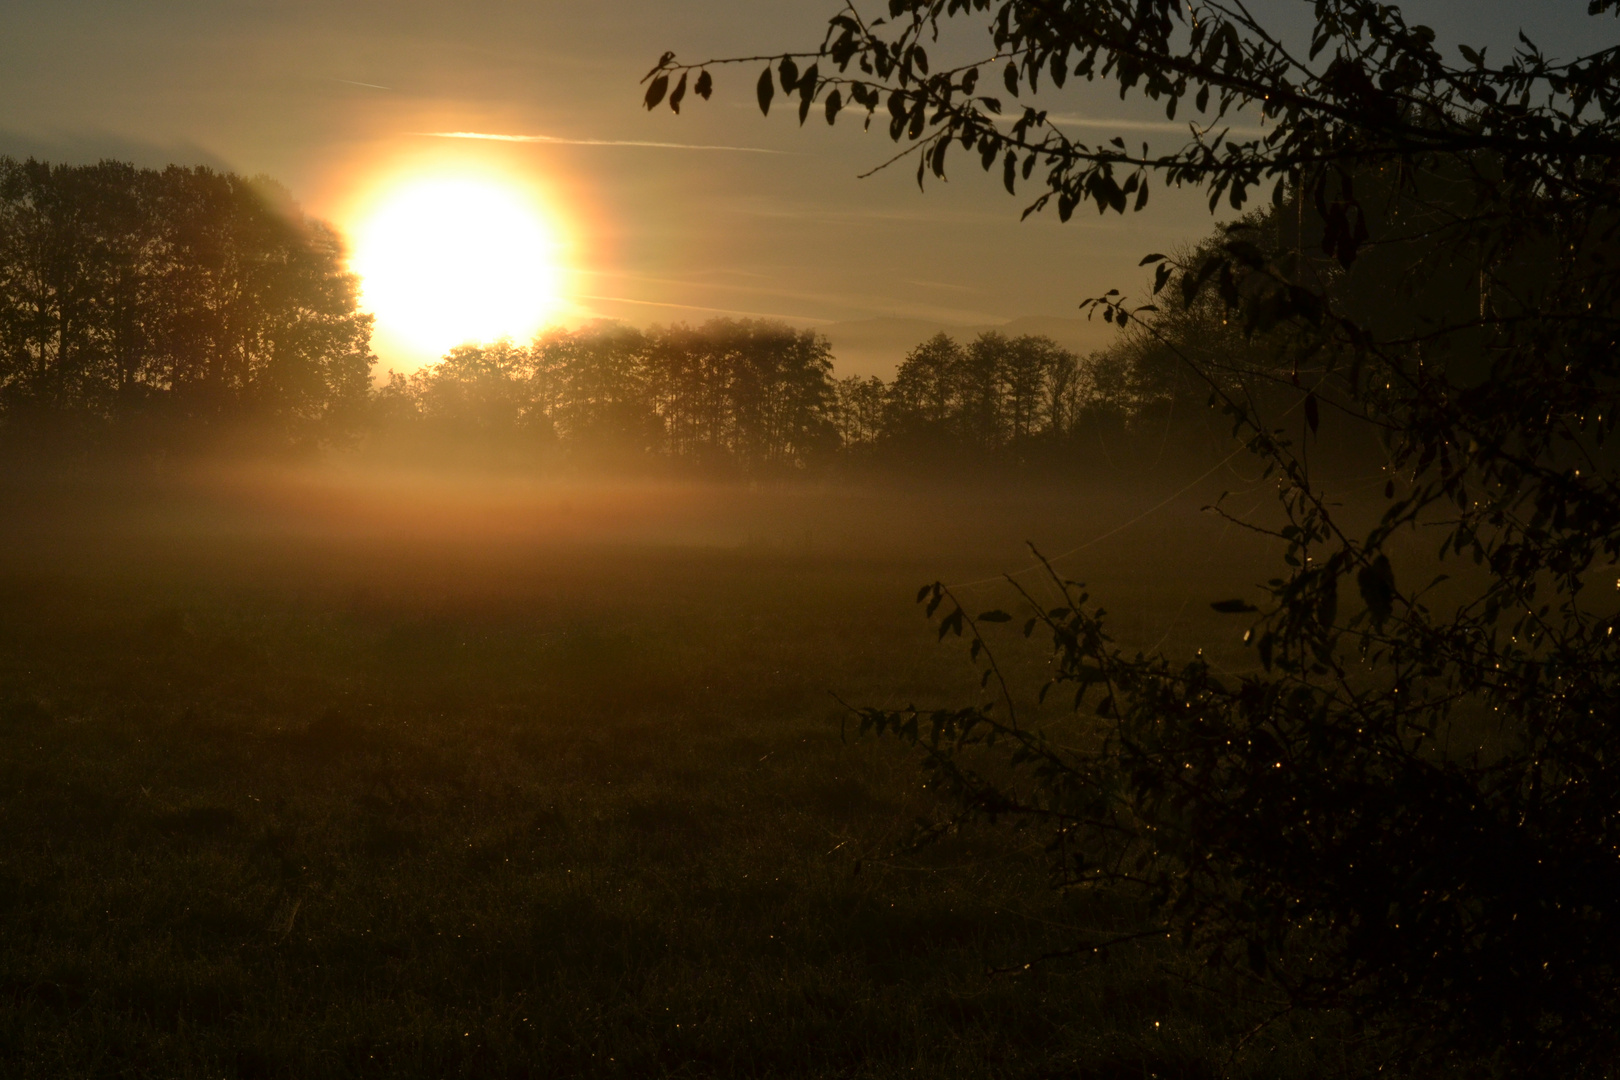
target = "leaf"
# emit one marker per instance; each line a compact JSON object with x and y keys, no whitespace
{"x":1233,"y":607}
{"x":678,"y":95}
{"x":835,"y":101}
{"x":704,"y":85}
{"x":789,"y":73}
{"x":809,"y":83}
{"x":995,"y":616}
{"x":655,"y":92}
{"x":1313,"y":416}
{"x":1257,"y":956}
{"x":765,"y":90}
{"x":1148,"y":260}
{"x":1010,"y":77}
{"x":1377,"y":584}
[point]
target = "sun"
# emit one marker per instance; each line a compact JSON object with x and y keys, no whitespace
{"x":445,"y":260}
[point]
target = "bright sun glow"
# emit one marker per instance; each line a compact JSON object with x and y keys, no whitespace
{"x":444,"y":261}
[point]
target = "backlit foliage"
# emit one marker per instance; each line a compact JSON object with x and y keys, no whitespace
{"x":1409,"y":807}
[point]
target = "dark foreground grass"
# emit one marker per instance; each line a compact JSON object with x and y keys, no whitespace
{"x":300,"y":780}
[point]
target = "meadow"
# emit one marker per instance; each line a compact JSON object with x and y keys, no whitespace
{"x":339,"y":771}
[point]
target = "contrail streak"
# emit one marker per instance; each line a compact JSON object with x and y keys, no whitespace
{"x":1061,"y":121}
{"x":700,"y":307}
{"x":590,"y":142}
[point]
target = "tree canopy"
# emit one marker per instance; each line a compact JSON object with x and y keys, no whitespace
{"x":759,"y":397}
{"x":748,"y":395}
{"x":1409,"y":808}
{"x":182,"y":293}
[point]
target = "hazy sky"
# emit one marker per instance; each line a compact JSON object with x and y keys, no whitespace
{"x":327,"y":96}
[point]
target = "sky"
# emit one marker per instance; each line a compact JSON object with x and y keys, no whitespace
{"x":734,"y":214}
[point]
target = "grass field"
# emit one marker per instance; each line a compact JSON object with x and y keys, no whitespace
{"x":328,"y":773}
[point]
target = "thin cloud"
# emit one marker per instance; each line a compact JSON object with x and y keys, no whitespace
{"x":558,"y":141}
{"x":700,"y":307}
{"x":1095,"y":123}
{"x":940,"y":285}
{"x":860,"y":302}
{"x":367,"y":85}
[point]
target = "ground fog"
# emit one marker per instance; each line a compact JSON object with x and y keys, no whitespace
{"x":343,"y":771}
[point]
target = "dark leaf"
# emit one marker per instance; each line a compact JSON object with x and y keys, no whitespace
{"x":1377,"y":584}
{"x":765,"y":91}
{"x":655,"y":92}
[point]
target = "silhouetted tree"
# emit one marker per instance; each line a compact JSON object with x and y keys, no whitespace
{"x":477,"y":391}
{"x":752,"y":395}
{"x":594,"y":386}
{"x":924,"y":398}
{"x":780,"y":392}
{"x":859,"y":407}
{"x":199,"y":294}
{"x":1410,"y":808}
{"x":994,"y":395}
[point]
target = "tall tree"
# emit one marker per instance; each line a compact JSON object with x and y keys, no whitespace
{"x":925,"y":395}
{"x":205,"y":294}
{"x":595,"y":386}
{"x":476,"y":392}
{"x":858,"y":410}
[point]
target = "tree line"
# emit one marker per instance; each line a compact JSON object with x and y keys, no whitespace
{"x":158,"y":301}
{"x":751,"y":394}
{"x":758,"y":396}
{"x":180,"y":294}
